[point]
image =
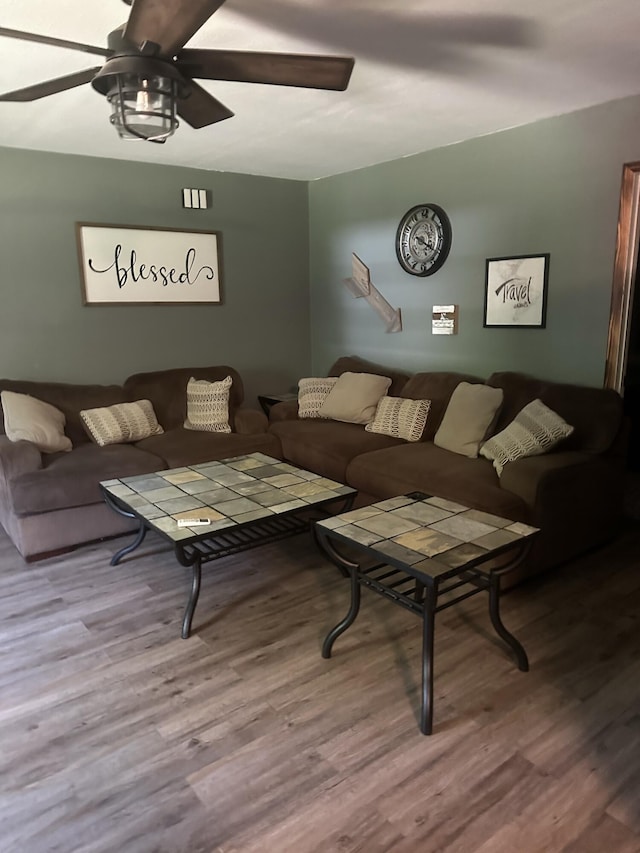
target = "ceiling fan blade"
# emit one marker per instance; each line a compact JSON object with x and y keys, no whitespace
{"x":168,"y":23}
{"x":409,"y":38}
{"x":200,"y":108}
{"x":279,"y":69}
{"x":51,"y":87}
{"x":72,"y":45}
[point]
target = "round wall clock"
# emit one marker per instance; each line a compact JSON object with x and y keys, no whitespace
{"x":423,"y":239}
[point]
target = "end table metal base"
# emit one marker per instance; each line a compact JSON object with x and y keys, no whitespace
{"x":422,"y":599}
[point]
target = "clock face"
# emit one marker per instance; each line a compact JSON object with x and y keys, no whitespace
{"x":423,"y":239}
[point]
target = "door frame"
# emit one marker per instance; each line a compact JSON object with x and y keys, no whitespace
{"x":624,"y":274}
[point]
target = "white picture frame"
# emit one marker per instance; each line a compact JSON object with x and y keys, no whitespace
{"x":128,"y":265}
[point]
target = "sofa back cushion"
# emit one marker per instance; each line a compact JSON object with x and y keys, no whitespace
{"x":70,"y":399}
{"x":437,"y":387}
{"x":594,"y":413}
{"x":167,"y":390}
{"x":355,"y":364}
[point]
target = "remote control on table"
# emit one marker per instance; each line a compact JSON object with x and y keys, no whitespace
{"x":192,"y":522}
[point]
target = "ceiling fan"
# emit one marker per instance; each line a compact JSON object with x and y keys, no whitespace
{"x":148,"y":77}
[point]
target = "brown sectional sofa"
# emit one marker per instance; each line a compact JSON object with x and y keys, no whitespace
{"x":52,"y":501}
{"x":573,"y":493}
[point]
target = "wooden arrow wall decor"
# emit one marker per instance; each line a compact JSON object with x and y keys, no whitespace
{"x":360,"y":285}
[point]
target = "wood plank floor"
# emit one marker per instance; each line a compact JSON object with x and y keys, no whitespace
{"x":116,"y":736}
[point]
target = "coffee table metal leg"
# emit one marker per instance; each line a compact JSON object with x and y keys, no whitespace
{"x":428,"y":628}
{"x":496,"y":621}
{"x":325,"y":544}
{"x":194,"y":562}
{"x":349,"y":619}
{"x":196,"y":578}
{"x":142,"y":532}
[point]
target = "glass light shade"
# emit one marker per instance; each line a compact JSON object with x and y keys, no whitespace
{"x":143,"y":107}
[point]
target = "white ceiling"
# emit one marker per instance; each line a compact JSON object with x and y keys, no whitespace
{"x":428,"y":73}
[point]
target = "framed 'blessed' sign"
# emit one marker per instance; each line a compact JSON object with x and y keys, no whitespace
{"x":121,"y":264}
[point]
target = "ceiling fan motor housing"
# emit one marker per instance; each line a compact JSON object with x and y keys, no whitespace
{"x":142,"y":66}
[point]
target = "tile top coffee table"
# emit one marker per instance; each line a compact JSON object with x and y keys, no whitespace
{"x":247,"y":501}
{"x":426,"y":554}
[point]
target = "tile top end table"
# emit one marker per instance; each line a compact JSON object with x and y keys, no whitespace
{"x":427,"y":554}
{"x":247,"y":501}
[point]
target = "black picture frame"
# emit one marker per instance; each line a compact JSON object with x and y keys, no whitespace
{"x":515,"y":292}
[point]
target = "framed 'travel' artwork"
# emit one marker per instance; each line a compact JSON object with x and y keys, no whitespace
{"x":516,"y":292}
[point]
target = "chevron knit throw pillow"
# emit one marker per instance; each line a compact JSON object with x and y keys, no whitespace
{"x":400,"y":418}
{"x":121,"y":423}
{"x":535,"y":430}
{"x":208,"y":405}
{"x":312,"y":393}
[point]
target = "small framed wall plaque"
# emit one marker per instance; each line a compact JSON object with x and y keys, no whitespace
{"x":516,"y":292}
{"x":444,"y":320}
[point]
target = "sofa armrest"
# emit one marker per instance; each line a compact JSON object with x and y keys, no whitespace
{"x":18,"y":457}
{"x":564,"y":481}
{"x":576,"y":499}
{"x":250,"y":421}
{"x":285,"y":411}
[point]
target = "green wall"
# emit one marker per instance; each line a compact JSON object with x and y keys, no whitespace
{"x":552,"y":186}
{"x":548,"y":187}
{"x":261,"y":328}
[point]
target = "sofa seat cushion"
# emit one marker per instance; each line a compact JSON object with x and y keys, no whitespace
{"x":424,"y":467}
{"x":180,"y":446}
{"x":327,"y":447}
{"x":71,"y":479}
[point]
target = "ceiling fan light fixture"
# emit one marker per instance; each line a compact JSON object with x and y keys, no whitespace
{"x":143,"y":107}
{"x":143,"y":94}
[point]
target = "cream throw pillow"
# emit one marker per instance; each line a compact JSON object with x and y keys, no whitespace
{"x":533,"y":431}
{"x":400,"y":418}
{"x":121,"y":423}
{"x":354,"y":397}
{"x":312,"y":393}
{"x":208,"y":405}
{"x":469,"y":414}
{"x":29,"y":419}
